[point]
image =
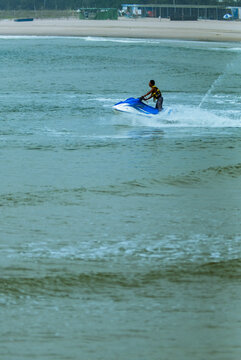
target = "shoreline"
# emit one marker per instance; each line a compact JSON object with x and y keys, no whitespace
{"x":201,"y":30}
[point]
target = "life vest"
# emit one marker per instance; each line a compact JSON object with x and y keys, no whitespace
{"x":156,"y":93}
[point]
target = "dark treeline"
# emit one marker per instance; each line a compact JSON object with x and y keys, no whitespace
{"x":75,"y":4}
{"x":56,"y":4}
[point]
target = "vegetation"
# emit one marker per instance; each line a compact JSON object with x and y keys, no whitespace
{"x":56,"y":4}
{"x":38,"y":14}
{"x":75,"y":4}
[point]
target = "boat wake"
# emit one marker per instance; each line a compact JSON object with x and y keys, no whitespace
{"x":184,"y":116}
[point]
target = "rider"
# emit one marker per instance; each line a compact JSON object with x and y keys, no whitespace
{"x":154,"y":93}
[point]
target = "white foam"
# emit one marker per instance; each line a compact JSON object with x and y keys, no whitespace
{"x":196,"y":117}
{"x":236,"y":49}
{"x":57,"y":133}
{"x":108,"y":137}
{"x":185,"y":116}
{"x":106,"y":100}
{"x":168,"y":248}
{"x":121,"y":40}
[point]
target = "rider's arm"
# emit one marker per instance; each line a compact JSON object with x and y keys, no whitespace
{"x":148,"y":97}
{"x":149,"y":93}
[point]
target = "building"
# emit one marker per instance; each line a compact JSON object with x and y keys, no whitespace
{"x":98,"y":13}
{"x":176,"y":12}
{"x":235,"y":12}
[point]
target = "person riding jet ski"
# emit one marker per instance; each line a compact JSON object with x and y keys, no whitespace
{"x":154,"y":93}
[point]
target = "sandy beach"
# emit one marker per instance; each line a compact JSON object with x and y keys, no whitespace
{"x":202,"y":30}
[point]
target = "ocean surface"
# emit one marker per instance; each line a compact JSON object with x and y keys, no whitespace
{"x":120,"y":234}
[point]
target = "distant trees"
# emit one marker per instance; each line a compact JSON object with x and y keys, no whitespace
{"x":56,"y":4}
{"x":75,"y":4}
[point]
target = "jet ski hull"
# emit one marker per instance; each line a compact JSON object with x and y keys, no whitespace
{"x":136,"y":106}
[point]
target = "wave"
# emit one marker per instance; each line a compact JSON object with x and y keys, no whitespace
{"x":122,"y":40}
{"x":141,"y":248}
{"x":205,"y":175}
{"x":68,"y":284}
{"x":30,"y":37}
{"x":132,"y":188}
{"x":226,"y":49}
{"x":199,"y":45}
{"x":65,"y":285}
{"x":224,"y":269}
{"x":73,"y":196}
{"x":90,"y":38}
{"x":54,"y":195}
{"x":184,"y":116}
{"x":230,"y":170}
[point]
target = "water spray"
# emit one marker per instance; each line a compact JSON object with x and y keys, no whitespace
{"x":214,"y":84}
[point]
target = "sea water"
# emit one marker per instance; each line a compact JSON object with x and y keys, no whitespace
{"x":120,"y":235}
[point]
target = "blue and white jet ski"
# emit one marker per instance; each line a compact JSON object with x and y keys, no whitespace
{"x":136,"y":106}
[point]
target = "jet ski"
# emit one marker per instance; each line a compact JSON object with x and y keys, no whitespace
{"x":136,"y":106}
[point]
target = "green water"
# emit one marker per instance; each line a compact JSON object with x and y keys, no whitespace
{"x":120,"y":234}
